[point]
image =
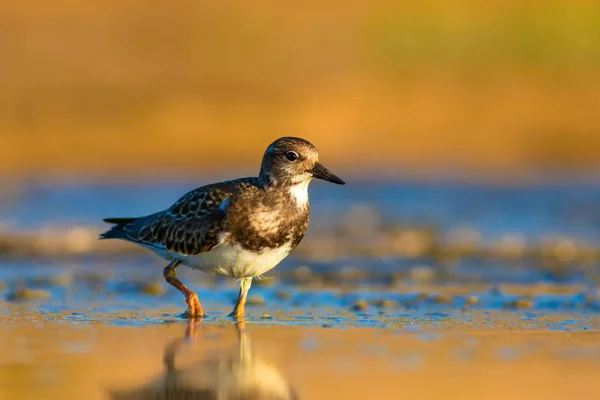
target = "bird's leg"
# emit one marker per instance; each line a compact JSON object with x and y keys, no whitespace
{"x":194,"y":307}
{"x":238,"y":311}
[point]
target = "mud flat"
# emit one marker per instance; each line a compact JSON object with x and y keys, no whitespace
{"x":115,"y":333}
{"x":463,"y":309}
{"x":58,"y":356}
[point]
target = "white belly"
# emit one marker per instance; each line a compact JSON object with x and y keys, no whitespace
{"x":232,"y":260}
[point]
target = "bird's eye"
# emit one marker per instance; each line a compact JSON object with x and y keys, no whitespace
{"x":291,"y":155}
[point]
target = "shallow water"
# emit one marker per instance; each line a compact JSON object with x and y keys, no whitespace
{"x":102,"y":335}
{"x":569,"y":209}
{"x":56,"y":357}
{"x":100,"y":327}
{"x":94,"y":288}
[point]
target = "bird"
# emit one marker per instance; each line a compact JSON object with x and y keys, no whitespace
{"x":239,"y":228}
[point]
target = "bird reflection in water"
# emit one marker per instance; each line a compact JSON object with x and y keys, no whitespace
{"x":241,"y":376}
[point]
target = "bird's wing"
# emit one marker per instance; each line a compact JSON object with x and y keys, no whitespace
{"x":190,"y":226}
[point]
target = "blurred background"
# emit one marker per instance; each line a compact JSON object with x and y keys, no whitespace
{"x":493,"y":90}
{"x":468,"y":132}
{"x":465,"y":128}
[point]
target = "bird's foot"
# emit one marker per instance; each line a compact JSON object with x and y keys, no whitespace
{"x":194,"y":308}
{"x":237,"y":314}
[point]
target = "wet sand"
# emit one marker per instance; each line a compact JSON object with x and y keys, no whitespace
{"x":468,"y":322}
{"x":102,"y":333}
{"x":53,"y":356}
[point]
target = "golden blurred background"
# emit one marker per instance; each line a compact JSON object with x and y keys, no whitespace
{"x":497,"y":89}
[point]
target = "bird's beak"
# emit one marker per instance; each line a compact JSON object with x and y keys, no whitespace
{"x":320,"y":172}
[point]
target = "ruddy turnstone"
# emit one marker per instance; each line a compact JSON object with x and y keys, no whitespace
{"x":240,"y":228}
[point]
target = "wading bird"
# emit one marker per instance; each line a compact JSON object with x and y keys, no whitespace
{"x":240,"y":228}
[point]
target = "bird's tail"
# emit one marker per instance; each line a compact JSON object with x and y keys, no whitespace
{"x":116,"y":231}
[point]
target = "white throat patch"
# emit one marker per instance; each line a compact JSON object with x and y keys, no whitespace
{"x":300,"y":192}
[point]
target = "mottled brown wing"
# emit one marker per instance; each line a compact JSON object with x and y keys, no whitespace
{"x":190,"y":226}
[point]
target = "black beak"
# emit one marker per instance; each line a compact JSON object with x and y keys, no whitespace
{"x":320,"y":172}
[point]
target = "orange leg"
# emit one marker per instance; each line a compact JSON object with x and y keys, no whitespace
{"x":194,"y":307}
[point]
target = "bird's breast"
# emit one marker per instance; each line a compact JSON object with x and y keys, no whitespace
{"x":270,"y":223}
{"x":235,"y":261}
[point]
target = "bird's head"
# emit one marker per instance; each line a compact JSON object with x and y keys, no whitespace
{"x":291,"y":161}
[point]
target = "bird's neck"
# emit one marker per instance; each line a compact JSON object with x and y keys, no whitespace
{"x":297,"y":190}
{"x":270,"y":181}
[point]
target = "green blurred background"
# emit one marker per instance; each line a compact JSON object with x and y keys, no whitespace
{"x":478,"y":89}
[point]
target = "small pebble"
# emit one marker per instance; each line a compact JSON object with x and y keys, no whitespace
{"x":360,"y":305}
{"x":442,"y":299}
{"x":255,"y":300}
{"x":28,"y":294}
{"x":302,"y":273}
{"x":385,"y":303}
{"x":520,"y":303}
{"x":469,"y":302}
{"x":352,"y":273}
{"x":266,"y":316}
{"x":496,"y":291}
{"x":281,"y":295}
{"x":421,"y":297}
{"x":423,"y":274}
{"x":50,"y":281}
{"x":96,"y":281}
{"x":153,"y":288}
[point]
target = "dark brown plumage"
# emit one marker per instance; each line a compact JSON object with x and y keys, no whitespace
{"x":240,"y":228}
{"x":190,"y":226}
